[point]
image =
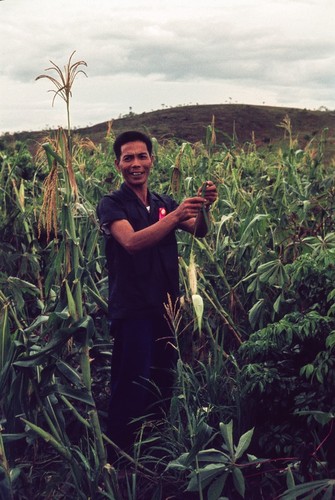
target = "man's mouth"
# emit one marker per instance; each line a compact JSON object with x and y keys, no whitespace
{"x":136,"y":174}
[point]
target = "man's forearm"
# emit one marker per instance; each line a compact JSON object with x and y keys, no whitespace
{"x":136,"y":241}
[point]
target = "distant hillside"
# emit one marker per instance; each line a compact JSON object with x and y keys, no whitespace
{"x":188,"y":123}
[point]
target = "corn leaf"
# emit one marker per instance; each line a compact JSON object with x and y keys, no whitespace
{"x":62,"y":450}
{"x":80,"y":394}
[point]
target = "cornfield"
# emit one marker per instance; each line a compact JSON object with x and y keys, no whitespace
{"x":253,"y":407}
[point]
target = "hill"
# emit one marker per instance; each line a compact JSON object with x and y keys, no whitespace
{"x":188,"y":123}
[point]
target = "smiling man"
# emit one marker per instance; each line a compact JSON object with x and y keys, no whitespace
{"x":142,"y":260}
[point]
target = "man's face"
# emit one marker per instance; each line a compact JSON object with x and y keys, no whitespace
{"x":135,"y":163}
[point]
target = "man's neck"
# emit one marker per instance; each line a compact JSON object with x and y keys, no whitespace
{"x":141,"y":193}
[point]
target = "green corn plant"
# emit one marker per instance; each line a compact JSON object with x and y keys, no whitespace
{"x":6,"y":490}
{"x":72,"y":279}
{"x":5,"y":338}
{"x":193,"y":396}
{"x":274,"y":217}
{"x":176,"y":189}
{"x":19,"y":249}
{"x":68,"y":325}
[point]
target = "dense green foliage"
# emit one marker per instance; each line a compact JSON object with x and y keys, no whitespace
{"x":253,"y":410}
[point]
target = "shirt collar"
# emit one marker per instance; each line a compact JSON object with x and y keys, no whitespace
{"x":129,"y":193}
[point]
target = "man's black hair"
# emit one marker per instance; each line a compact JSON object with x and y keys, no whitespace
{"x":131,"y":136}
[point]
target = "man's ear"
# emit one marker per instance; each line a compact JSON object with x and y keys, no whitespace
{"x":117,"y":163}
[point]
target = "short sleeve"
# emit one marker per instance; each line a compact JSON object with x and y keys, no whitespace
{"x":109,"y":210}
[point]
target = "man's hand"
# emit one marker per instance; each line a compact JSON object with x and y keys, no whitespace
{"x":208,"y":191}
{"x":190,"y":208}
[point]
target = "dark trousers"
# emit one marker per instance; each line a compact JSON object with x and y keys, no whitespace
{"x":143,"y":358}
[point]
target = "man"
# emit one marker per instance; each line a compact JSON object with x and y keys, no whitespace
{"x":142,"y":259}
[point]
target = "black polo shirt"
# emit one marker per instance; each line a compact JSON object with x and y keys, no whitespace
{"x":139,"y":284}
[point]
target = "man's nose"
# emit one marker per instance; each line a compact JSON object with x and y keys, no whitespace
{"x":136,"y":161}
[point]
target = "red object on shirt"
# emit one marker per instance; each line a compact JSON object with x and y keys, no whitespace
{"x":161,"y":213}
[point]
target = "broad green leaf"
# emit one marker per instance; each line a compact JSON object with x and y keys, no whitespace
{"x":253,"y":285}
{"x":255,"y":312}
{"x":290,"y":478}
{"x":272,"y":272}
{"x":310,"y":488}
{"x":212,"y":455}
{"x":180,"y":463}
{"x":243,"y":443}
{"x":205,"y":476}
{"x":203,"y":433}
{"x":267,"y":266}
{"x":320,"y":416}
{"x":330,"y":340}
{"x":227,"y":434}
{"x":6,"y":492}
{"x":216,"y":487}
{"x":239,"y":482}
{"x":307,"y":370}
{"x":277,"y":303}
{"x":331,"y":295}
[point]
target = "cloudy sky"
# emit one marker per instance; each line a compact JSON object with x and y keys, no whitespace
{"x":144,"y":55}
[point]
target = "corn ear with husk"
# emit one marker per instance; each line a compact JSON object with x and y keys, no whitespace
{"x":175,"y":180}
{"x":192,"y":275}
{"x":211,"y":136}
{"x":177,"y":171}
{"x":198,"y":305}
{"x":197,"y":301}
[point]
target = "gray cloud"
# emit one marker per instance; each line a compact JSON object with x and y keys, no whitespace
{"x":148,"y":53}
